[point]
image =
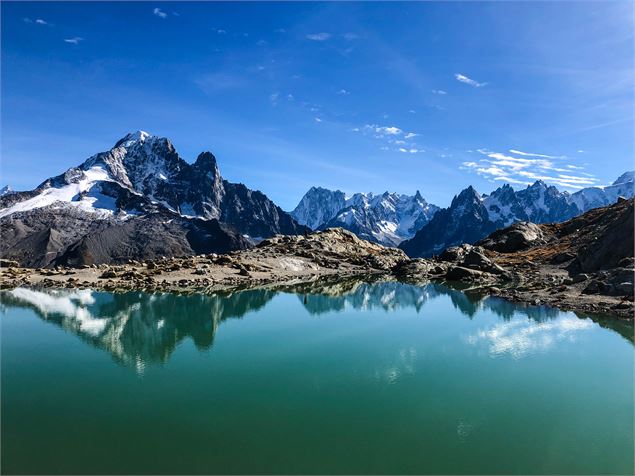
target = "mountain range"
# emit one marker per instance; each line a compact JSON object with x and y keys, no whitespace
{"x":138,"y":200}
{"x":472,"y":216}
{"x":387,"y":219}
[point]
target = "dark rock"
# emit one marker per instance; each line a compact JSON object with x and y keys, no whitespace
{"x":456,"y":273}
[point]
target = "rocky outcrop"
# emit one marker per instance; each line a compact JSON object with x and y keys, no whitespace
{"x":519,"y":236}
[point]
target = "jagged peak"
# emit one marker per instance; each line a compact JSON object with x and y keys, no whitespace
{"x":206,"y":161}
{"x":466,"y":194}
{"x":538,"y":184}
{"x":137,"y":138}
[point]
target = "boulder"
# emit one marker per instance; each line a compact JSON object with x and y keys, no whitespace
{"x":457,"y":273}
{"x":517,"y":237}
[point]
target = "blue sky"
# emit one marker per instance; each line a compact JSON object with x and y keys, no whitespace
{"x":356,"y":96}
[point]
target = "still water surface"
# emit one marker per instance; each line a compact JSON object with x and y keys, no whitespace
{"x":352,"y":378}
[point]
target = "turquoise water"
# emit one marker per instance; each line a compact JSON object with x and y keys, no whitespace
{"x":365,"y":378}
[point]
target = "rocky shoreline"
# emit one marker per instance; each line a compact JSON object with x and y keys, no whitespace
{"x":336,"y":254}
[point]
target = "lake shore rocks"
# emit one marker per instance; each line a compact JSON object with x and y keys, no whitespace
{"x":585,"y":264}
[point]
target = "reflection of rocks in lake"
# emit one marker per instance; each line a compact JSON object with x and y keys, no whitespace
{"x":138,"y":328}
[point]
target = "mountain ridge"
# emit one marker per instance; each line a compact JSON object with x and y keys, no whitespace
{"x":469,"y":220}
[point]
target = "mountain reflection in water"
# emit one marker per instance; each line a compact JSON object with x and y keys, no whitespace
{"x":139,"y":328}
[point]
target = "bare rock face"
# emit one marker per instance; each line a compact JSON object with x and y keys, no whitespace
{"x":519,"y":236}
{"x":611,"y":243}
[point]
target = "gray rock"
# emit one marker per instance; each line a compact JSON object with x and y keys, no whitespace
{"x":516,"y":237}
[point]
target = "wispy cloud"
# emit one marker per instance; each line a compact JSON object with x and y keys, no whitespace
{"x":393,"y":137}
{"x":440,"y":92}
{"x":273,"y":98}
{"x":350,"y":36}
{"x":220,"y":31}
{"x":383,"y":130}
{"x":525,"y":167}
{"x":74,"y":41}
{"x":159,"y":13}
{"x":37,"y":21}
{"x":318,"y":36}
{"x":317,"y":119}
{"x":343,"y":92}
{"x":464,"y":79}
{"x":531,"y":154}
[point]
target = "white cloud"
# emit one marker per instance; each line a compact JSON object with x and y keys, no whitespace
{"x":74,"y":41}
{"x":410,"y":135}
{"x":411,"y":150}
{"x":350,"y":36}
{"x":493,"y":170}
{"x":159,"y":13}
{"x":317,"y":119}
{"x":440,"y":92}
{"x":531,"y":154}
{"x":520,"y":170}
{"x":220,"y":31}
{"x":343,"y":92}
{"x":382,"y":131}
{"x":464,"y":79}
{"x":273,"y":97}
{"x":37,"y":21}
{"x":318,"y":36}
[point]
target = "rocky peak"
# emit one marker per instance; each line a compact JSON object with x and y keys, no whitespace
{"x":465,"y":197}
{"x":206,"y":163}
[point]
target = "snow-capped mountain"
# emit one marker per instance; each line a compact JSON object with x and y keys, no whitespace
{"x":318,"y":206}
{"x":594,"y":197}
{"x":471,"y":216}
{"x":388,"y":218}
{"x":6,"y":190}
{"x":142,"y":176}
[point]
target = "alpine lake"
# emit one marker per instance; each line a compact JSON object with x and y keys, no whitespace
{"x":349,"y":377}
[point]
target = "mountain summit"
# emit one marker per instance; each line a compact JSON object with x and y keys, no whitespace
{"x":141,"y":176}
